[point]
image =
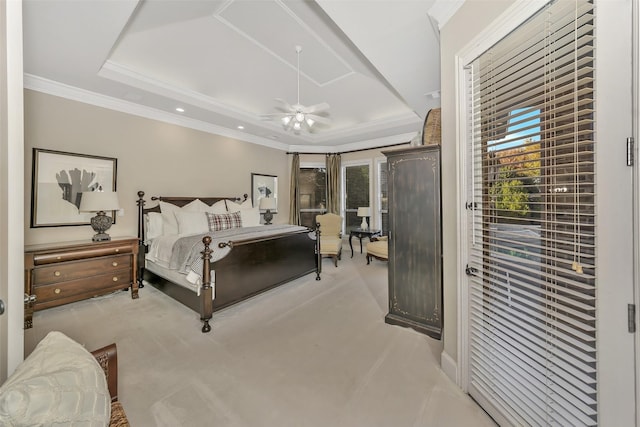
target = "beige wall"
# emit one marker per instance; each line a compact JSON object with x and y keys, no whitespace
{"x":472,"y":18}
{"x":156,"y":157}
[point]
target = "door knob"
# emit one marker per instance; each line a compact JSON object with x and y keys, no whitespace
{"x":1,"y":307}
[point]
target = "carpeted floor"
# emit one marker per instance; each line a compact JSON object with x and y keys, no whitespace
{"x":305,"y":354}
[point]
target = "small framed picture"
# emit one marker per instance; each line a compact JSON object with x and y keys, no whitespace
{"x":264,"y":186}
{"x":57,"y":182}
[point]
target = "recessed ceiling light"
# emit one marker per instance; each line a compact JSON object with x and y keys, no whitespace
{"x":240,"y":127}
{"x":180,"y":110}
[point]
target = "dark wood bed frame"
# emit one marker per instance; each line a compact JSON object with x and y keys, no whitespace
{"x":251,"y":267}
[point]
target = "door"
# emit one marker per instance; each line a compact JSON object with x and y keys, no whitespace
{"x":11,"y":188}
{"x":550,"y":253}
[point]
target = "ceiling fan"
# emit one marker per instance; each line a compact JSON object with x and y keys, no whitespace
{"x":297,"y":116}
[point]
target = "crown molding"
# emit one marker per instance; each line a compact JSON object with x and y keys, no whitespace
{"x":87,"y":97}
{"x":370,"y":144}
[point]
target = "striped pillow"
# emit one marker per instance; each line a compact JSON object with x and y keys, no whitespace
{"x":223,"y":221}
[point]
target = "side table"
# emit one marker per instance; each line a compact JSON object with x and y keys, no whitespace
{"x":360,"y":233}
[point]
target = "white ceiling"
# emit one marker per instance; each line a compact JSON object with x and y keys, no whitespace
{"x":225,"y":61}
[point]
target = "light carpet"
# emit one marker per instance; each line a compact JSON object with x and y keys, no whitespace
{"x":309,"y":353}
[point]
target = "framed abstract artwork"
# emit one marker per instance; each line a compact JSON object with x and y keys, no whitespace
{"x":57,"y":182}
{"x":264,"y":186}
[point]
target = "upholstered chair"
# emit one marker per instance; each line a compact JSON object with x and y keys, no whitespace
{"x":378,"y":248}
{"x":330,"y":236}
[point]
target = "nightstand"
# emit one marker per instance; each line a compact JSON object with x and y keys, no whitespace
{"x":61,"y":273}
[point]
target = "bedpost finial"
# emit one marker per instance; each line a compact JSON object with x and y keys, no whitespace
{"x":206,"y":240}
{"x":141,"y":194}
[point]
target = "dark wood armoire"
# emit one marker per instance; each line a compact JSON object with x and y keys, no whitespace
{"x":415,"y":239}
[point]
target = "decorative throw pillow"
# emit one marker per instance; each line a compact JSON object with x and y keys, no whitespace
{"x":191,"y":222}
{"x":250,"y":217}
{"x":60,"y":383}
{"x":219,"y":207}
{"x":169,"y":221}
{"x":224,"y":221}
{"x":236,"y":207}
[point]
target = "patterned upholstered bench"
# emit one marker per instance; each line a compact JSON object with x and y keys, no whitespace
{"x":61,"y":383}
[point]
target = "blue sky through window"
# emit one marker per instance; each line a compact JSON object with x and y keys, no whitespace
{"x":525,"y":125}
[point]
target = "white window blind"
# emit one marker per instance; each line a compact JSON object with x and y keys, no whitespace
{"x":532,"y":204}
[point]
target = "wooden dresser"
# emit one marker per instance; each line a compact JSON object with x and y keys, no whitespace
{"x":415,"y":239}
{"x":60,"y":273}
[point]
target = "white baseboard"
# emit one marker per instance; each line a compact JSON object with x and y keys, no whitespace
{"x":449,"y":367}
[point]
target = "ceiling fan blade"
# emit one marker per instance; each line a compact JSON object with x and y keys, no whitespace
{"x":317,"y":108}
{"x":285,"y":104}
{"x":274,"y":115}
{"x":319,"y":119}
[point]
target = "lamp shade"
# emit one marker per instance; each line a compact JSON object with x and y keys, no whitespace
{"x":364,"y":211}
{"x":96,"y":201}
{"x":267,"y":203}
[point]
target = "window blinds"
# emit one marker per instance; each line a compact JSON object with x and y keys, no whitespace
{"x":531,"y":177}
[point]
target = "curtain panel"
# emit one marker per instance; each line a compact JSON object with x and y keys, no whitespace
{"x":294,"y":202}
{"x":333,"y":183}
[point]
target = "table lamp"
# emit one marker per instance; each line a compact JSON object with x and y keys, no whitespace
{"x":364,"y":213}
{"x":99,"y":202}
{"x":266,"y":204}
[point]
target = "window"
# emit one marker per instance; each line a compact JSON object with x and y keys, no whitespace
{"x":356,"y":187}
{"x":383,"y":198}
{"x":313,"y":194}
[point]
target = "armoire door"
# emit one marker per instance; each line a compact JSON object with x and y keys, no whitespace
{"x":415,"y":261}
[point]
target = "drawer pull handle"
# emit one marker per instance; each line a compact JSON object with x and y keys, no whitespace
{"x":56,"y":273}
{"x":58,"y":257}
{"x":56,"y":291}
{"x":117,"y":250}
{"x":115,"y":279}
{"x":115,"y":264}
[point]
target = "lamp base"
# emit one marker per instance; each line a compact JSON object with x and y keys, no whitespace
{"x":364,"y":225}
{"x":100,"y":224}
{"x":101,"y":237}
{"x":268,"y":216}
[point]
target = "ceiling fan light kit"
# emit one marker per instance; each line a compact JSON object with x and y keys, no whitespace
{"x":297,"y":116}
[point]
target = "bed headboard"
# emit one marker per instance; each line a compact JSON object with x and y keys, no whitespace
{"x":178,"y":201}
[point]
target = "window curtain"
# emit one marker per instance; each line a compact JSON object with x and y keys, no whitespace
{"x":294,"y":202}
{"x":333,"y":183}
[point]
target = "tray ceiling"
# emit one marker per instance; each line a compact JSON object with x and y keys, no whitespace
{"x":225,"y":63}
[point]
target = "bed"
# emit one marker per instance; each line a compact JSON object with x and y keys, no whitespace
{"x":210,"y":270}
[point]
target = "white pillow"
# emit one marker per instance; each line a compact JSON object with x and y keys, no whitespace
{"x":219,"y":207}
{"x":236,"y":207}
{"x":169,"y":222}
{"x":153,"y":226}
{"x":191,"y":222}
{"x":250,"y":217}
{"x":60,"y":383}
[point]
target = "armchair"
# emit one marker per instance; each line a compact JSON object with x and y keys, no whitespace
{"x":330,"y":226}
{"x":378,"y":248}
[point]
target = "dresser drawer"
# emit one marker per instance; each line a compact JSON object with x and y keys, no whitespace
{"x":52,"y":257}
{"x":64,"y":272}
{"x":60,"y":293}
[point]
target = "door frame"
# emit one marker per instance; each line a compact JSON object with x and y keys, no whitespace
{"x":635,"y":55}
{"x":613,"y":407}
{"x":12,"y":198}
